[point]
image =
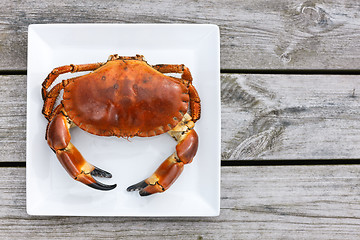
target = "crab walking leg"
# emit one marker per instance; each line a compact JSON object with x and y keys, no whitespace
{"x":50,"y":100}
{"x":66,"y":69}
{"x":58,"y":138}
{"x":175,"y":68}
{"x":195,"y":106}
{"x":171,"y":168}
{"x":169,"y":68}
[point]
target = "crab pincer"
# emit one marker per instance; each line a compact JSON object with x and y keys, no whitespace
{"x":172,"y":167}
{"x":58,"y":138}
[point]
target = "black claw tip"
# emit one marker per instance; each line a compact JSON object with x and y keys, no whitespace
{"x":97,"y":172}
{"x":101,"y":186}
{"x":144,"y":193}
{"x":139,"y":186}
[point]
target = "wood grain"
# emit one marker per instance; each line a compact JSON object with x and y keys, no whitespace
{"x":264,"y":117}
{"x":289,"y":202}
{"x":277,"y":117}
{"x":12,"y":118}
{"x":290,"y":117}
{"x":286,"y":34}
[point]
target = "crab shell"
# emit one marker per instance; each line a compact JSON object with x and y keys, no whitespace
{"x":125,"y":99}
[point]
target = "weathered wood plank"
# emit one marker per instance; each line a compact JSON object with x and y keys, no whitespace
{"x":290,"y":117}
{"x":12,"y":118}
{"x":263,"y":117}
{"x":288,"y":202}
{"x":286,"y":34}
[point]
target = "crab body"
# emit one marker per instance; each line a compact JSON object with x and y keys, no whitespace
{"x":123,"y":97}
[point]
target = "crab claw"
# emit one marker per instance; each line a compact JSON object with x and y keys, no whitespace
{"x":172,"y":167}
{"x":58,"y":138}
{"x":88,"y":179}
{"x":97,"y":172}
{"x":162,"y":178}
{"x":100,"y":186}
{"x":145,"y":188}
{"x":81,"y":170}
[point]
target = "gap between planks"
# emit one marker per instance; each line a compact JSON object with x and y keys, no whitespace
{"x":293,"y":71}
{"x":236,"y":163}
{"x":248,"y":71}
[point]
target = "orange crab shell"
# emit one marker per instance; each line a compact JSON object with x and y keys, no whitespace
{"x":125,"y":98}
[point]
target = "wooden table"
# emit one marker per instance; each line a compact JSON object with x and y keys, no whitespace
{"x":290,"y":119}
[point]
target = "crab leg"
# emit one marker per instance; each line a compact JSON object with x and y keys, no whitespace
{"x":172,"y":167}
{"x":195,"y":106}
{"x":175,"y":68}
{"x":169,"y":68}
{"x":66,"y":69}
{"x":58,"y":138}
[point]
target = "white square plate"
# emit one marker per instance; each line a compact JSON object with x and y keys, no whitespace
{"x":50,"y":191}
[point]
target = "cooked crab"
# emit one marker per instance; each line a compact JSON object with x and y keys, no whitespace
{"x":123,"y":97}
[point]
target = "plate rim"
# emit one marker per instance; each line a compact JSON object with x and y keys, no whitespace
{"x":34,"y":27}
